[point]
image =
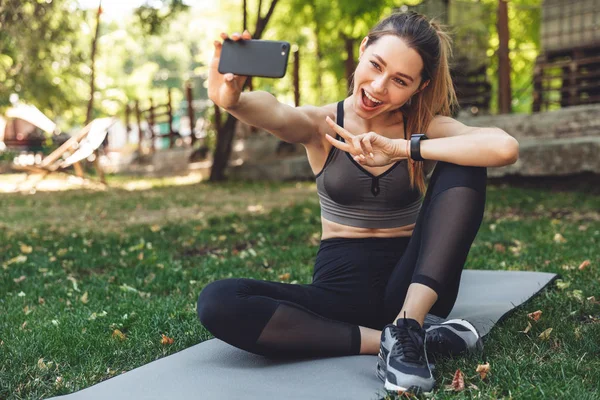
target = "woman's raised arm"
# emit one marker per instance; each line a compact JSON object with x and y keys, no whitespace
{"x":260,"y":109}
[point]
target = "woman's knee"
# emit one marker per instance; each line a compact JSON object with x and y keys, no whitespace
{"x":214,"y":302}
{"x":448,"y":175}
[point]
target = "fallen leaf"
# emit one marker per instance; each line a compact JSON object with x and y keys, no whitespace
{"x":84,"y":298}
{"x":483,"y":370}
{"x":140,"y":256}
{"x":577,"y":294}
{"x":58,"y":381}
{"x":562,"y":284}
{"x":558,"y":238}
{"x":536,"y":315}
{"x":155,"y":228}
{"x":472,"y":386}
{"x":41,"y":364}
{"x":26,"y":249}
{"x":117,"y":334}
{"x":41,"y":300}
{"x":546,"y":334}
{"x":126,"y":288}
{"x":149,"y":278}
{"x":61,"y":252}
{"x":15,"y":260}
{"x":27,"y":310}
{"x":582,"y":228}
{"x":20,"y":279}
{"x":592,"y":299}
{"x":285,"y":277}
{"x":166,"y":340}
{"x":528,"y":328}
{"x":577,"y":333}
{"x":458,"y":381}
{"x":74,"y":281}
{"x":584,"y":264}
{"x":499,"y":247}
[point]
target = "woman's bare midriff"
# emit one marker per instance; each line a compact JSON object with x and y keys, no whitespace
{"x":335,"y":230}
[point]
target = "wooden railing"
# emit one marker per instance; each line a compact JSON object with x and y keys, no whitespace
{"x":567,"y":78}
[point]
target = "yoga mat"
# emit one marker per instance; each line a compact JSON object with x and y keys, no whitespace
{"x":215,"y":370}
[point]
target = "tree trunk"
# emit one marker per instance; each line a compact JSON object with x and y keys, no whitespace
{"x":88,"y":116}
{"x":226,"y":133}
{"x":349,"y":63}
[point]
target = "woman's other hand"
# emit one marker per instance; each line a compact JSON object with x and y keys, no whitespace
{"x":225,"y":89}
{"x":369,"y":149}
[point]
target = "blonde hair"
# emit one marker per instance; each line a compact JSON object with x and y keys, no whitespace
{"x":434,"y":46}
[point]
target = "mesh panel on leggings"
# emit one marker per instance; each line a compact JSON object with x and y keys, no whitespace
{"x":449,"y":228}
{"x":297,"y":332}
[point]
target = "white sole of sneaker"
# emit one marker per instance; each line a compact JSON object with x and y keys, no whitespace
{"x":469,"y":326}
{"x":413,"y":389}
{"x":464,"y":323}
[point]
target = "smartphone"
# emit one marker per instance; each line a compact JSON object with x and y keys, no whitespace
{"x":266,"y":58}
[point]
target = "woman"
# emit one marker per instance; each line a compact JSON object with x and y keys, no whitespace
{"x":386,"y":253}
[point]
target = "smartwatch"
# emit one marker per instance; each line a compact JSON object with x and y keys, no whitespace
{"x":415,"y":146}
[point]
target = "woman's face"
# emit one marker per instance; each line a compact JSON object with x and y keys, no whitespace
{"x":387,"y":75}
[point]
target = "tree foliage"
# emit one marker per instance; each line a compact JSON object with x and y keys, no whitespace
{"x":154,"y":16}
{"x":40,"y":56}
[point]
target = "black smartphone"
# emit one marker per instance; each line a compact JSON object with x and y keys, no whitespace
{"x":266,"y":58}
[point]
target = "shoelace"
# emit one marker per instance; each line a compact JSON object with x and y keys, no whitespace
{"x":406,"y":344}
{"x":407,"y":347}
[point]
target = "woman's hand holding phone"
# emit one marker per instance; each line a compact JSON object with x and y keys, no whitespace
{"x":225,"y":89}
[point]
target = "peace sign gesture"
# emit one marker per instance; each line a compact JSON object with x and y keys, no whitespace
{"x":370,"y":148}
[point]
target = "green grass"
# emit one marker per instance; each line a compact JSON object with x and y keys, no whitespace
{"x":136,"y":260}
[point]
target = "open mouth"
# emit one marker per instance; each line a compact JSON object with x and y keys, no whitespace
{"x":369,"y":102}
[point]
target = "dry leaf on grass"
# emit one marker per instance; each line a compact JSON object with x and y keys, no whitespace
{"x":536,"y":315}
{"x":166,"y":340}
{"x":155,"y":228}
{"x":117,"y":334}
{"x":26,"y":249}
{"x":527,"y":329}
{"x":84,"y":298}
{"x":15,"y":260}
{"x":584,"y":264}
{"x":558,"y":238}
{"x":20,"y":279}
{"x":546,"y":334}
{"x":499,"y":247}
{"x":285,"y":277}
{"x":483,"y":370}
{"x":458,"y":382}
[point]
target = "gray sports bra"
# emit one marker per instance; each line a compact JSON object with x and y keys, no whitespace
{"x":350,"y":195}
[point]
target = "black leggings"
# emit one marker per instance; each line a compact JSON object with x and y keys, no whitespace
{"x":356,"y":282}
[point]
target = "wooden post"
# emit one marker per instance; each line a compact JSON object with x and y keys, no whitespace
{"x":538,"y":76}
{"x":504,"y":91}
{"x":190,"y":110}
{"x":170,"y":111}
{"x":127,"y":125}
{"x":297,"y":77}
{"x":139,"y":124}
{"x":151,"y":123}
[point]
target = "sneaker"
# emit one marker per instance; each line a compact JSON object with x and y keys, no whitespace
{"x":387,"y":341}
{"x":453,"y":337}
{"x":406,"y":362}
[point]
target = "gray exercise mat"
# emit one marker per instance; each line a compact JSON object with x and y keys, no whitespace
{"x":216,"y":370}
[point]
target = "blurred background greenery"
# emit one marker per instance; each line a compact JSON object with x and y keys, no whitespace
{"x":145,"y":47}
